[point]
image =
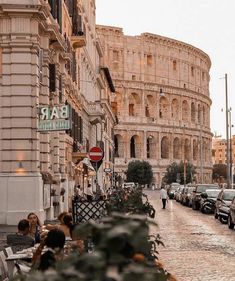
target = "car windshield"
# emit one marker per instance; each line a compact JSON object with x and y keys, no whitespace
{"x":229,"y":195}
{"x":203,"y":188}
{"x":212,"y":193}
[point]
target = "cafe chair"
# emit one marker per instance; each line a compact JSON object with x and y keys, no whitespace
{"x":3,"y":267}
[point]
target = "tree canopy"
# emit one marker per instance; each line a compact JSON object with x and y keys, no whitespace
{"x":139,"y":172}
{"x":175,"y":173}
{"x":219,"y":171}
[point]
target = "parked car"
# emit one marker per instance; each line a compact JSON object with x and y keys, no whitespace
{"x":231,"y":217}
{"x":208,"y":199}
{"x":196,"y":198}
{"x":222,"y":205}
{"x":187,"y":201}
{"x":178,"y":193}
{"x":172,"y":189}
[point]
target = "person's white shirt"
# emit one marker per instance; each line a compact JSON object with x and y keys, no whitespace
{"x":163,"y":194}
{"x":88,"y":190}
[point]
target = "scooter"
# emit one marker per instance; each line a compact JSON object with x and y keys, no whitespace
{"x":208,"y":207}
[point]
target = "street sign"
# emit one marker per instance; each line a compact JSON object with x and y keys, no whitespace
{"x":96,"y":154}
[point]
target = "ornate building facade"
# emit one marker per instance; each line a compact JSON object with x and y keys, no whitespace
{"x":54,"y":105}
{"x":162,"y":102}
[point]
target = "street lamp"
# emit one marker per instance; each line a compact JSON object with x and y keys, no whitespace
{"x":227,"y":131}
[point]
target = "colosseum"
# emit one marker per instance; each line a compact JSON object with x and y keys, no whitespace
{"x":162,"y":101}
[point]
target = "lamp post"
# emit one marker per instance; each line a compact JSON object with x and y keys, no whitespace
{"x":227,"y":132}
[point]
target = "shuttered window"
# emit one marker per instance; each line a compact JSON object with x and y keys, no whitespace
{"x":52,"y":78}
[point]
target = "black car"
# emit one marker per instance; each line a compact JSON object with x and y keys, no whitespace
{"x":208,"y":199}
{"x":199,"y":189}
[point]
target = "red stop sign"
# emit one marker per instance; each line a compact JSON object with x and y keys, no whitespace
{"x":96,"y":154}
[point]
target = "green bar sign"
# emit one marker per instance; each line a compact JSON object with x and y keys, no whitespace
{"x":54,"y":118}
{"x":54,"y":125}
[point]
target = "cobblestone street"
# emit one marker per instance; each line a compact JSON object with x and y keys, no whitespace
{"x":197,"y":247}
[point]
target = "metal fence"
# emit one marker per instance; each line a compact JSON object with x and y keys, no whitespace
{"x":84,"y":210}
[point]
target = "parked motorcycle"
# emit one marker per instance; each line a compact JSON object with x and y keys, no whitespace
{"x":208,"y":200}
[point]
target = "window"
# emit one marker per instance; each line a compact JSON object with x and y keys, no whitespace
{"x":40,"y":64}
{"x":174,"y":65}
{"x":149,"y":60}
{"x":203,"y":76}
{"x":52,"y":77}
{"x":131,"y":109}
{"x":192,"y":71}
{"x":133,"y":77}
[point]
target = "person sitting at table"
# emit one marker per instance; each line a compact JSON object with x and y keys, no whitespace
{"x":54,"y":242}
{"x":60,"y":218}
{"x":67,"y":224}
{"x":20,"y":240}
{"x":35,"y":227}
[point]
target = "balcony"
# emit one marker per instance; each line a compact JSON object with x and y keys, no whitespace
{"x":78,"y":41}
{"x":96,"y":113}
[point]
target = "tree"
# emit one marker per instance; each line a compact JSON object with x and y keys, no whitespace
{"x":219,"y":171}
{"x":139,"y":172}
{"x":175,"y":173}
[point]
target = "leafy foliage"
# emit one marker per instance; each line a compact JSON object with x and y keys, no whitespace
{"x":175,"y":173}
{"x":139,"y":172}
{"x":131,"y":200}
{"x":219,"y":170}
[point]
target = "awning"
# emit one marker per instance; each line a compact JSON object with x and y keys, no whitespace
{"x":86,"y":161}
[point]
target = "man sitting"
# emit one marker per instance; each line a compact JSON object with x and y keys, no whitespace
{"x":20,"y":240}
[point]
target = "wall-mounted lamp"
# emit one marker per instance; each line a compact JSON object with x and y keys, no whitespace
{"x":161,"y":93}
{"x":20,"y":165}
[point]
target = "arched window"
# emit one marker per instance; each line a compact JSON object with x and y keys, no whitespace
{"x":151,"y":147}
{"x":193,"y":112}
{"x":164,"y":148}
{"x":163,"y":108}
{"x":149,"y":106}
{"x":175,"y":109}
{"x":132,"y":148}
{"x":134,"y":104}
{"x":176,"y":149}
{"x":185,"y":111}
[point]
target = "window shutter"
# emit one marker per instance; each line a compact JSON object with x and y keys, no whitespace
{"x":52,"y":77}
{"x":40,"y":64}
{"x":60,"y":89}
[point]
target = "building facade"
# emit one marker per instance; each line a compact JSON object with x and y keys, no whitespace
{"x":219,"y":153}
{"x":162,"y":102}
{"x":54,"y":105}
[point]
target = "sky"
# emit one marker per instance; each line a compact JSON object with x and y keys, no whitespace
{"x":206,"y":24}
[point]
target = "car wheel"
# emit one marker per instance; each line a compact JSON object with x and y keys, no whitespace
{"x":216,"y":215}
{"x":222,"y":220}
{"x":230,"y":223}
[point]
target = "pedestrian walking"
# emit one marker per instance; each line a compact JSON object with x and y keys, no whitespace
{"x":163,"y":196}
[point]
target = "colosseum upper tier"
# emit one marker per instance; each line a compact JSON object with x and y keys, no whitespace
{"x":162,"y":102}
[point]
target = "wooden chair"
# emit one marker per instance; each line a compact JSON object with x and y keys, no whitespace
{"x":3,"y":267}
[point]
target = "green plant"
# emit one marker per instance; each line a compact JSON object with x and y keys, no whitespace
{"x":139,"y":172}
{"x":131,"y":200}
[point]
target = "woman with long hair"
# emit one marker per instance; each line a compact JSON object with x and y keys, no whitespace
{"x":35,"y":227}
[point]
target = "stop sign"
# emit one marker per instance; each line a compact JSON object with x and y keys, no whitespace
{"x":96,"y":154}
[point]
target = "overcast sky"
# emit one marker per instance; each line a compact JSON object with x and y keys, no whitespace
{"x":206,"y":24}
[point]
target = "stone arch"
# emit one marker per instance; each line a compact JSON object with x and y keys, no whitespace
{"x":165,"y":148}
{"x":149,"y":106}
{"x":193,"y":112}
{"x":175,"y":109}
{"x":176,"y":149}
{"x":164,"y":108}
{"x":118,"y":146}
{"x":185,"y":110}
{"x":187,"y":149}
{"x":135,"y":149}
{"x":134,"y":104}
{"x":151,"y":147}
{"x":195,"y":150}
